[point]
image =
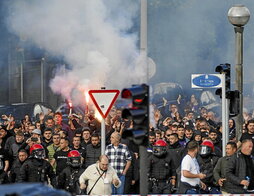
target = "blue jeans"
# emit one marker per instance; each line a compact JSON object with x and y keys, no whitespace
{"x":192,"y":191}
{"x":119,"y":191}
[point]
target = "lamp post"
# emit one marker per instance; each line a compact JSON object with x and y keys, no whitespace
{"x":239,"y":15}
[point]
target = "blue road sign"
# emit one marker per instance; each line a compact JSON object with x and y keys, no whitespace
{"x":206,"y":80}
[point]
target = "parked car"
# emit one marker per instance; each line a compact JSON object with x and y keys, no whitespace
{"x":19,"y":110}
{"x":168,"y":91}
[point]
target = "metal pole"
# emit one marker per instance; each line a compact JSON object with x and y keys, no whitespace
{"x":224,"y":113}
{"x":103,"y":136}
{"x":226,"y":122}
{"x":143,"y":36}
{"x":143,"y":171}
{"x":9,"y":76}
{"x":143,"y":187}
{"x":239,"y":76}
{"x":21,"y":83}
{"x":42,"y":80}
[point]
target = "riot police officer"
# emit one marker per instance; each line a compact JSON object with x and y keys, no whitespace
{"x":69,"y":178}
{"x":207,"y":161}
{"x":36,"y":168}
{"x":161,"y":169}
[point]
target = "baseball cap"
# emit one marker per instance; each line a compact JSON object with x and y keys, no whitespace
{"x":37,"y":131}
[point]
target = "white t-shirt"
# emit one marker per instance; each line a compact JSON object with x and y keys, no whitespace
{"x":190,"y":164}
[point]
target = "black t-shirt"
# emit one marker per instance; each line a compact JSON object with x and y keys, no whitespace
{"x":3,"y":157}
{"x":61,"y":160}
{"x":250,"y":137}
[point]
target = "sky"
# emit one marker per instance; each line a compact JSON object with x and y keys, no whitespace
{"x":187,"y":37}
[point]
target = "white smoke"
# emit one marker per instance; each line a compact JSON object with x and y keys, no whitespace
{"x":93,"y":36}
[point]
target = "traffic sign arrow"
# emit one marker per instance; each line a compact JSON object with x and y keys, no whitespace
{"x":104,"y":100}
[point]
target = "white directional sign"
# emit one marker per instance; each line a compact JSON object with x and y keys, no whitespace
{"x":104,"y":100}
{"x":206,"y":81}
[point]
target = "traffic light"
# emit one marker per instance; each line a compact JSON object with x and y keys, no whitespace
{"x":218,"y":92}
{"x":233,"y":96}
{"x":138,"y":113}
{"x":234,"y":103}
{"x":224,"y":68}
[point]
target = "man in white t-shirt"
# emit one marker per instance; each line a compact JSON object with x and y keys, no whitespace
{"x":190,"y":174}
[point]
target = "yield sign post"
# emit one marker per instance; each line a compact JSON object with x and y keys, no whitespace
{"x":103,"y":100}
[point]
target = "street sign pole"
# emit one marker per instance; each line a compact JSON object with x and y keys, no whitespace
{"x":103,"y":101}
{"x":103,"y":136}
{"x":226,"y":123}
{"x":224,"y":114}
{"x":216,"y":81}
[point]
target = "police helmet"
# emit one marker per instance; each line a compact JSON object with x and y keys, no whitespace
{"x":37,"y":151}
{"x":206,"y":148}
{"x":74,"y":158}
{"x":159,"y":148}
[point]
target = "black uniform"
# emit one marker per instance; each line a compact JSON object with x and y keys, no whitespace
{"x":160,"y":170}
{"x":37,"y":170}
{"x":68,"y":180}
{"x":207,"y":164}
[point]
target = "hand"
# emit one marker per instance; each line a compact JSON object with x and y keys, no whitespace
{"x":39,"y":140}
{"x":122,"y":125}
{"x":70,"y":116}
{"x":11,"y":118}
{"x":165,"y":101}
{"x":28,"y":140}
{"x":166,"y":121}
{"x":131,"y":125}
{"x":82,"y":186}
{"x":173,"y":181}
{"x":157,"y":115}
{"x":203,"y":186}
{"x":179,"y":98}
{"x":115,"y":182}
{"x":221,"y":180}
{"x":133,"y":182}
{"x":4,"y":117}
{"x":245,"y":182}
{"x":201,"y":176}
{"x":41,"y":116}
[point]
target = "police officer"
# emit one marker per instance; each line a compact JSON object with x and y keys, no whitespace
{"x":69,"y":178}
{"x":207,"y":161}
{"x":36,"y":168}
{"x":161,"y":169}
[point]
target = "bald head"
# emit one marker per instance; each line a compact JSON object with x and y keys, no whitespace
{"x":103,"y":157}
{"x":103,"y":162}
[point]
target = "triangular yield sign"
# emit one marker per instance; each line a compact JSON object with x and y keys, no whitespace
{"x":104,"y":100}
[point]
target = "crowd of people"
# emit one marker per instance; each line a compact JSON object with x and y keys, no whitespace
{"x":184,"y":153}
